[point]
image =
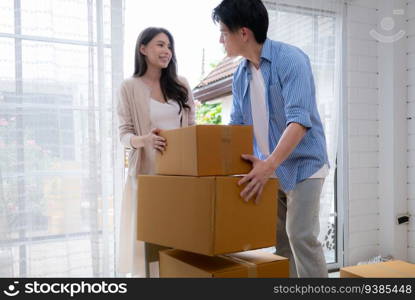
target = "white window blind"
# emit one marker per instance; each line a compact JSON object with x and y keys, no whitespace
{"x":60,"y":63}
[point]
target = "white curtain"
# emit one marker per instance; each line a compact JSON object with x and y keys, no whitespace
{"x":315,"y":27}
{"x":59,"y":163}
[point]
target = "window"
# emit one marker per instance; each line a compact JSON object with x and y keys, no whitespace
{"x":58,"y":70}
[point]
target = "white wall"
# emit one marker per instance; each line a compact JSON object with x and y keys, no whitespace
{"x":226,"y":109}
{"x":381,"y":95}
{"x":393,"y":130}
{"x":411,"y":126}
{"x":362,"y":236}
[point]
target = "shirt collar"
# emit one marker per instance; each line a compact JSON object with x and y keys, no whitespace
{"x":265,"y":54}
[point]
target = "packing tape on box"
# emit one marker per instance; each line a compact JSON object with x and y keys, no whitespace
{"x":252,"y":268}
{"x":225,"y":147}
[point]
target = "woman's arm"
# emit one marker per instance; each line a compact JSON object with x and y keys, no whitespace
{"x":125,"y":123}
{"x":127,"y":132}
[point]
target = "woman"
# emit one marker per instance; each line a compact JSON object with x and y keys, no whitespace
{"x":153,"y":99}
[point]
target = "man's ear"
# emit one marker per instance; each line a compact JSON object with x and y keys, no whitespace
{"x":245,"y":32}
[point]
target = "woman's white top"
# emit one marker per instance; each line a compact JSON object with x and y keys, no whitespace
{"x":164,"y":115}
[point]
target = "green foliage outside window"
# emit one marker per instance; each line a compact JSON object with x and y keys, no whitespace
{"x":208,"y":113}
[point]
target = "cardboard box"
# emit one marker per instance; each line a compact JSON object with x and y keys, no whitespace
{"x":254,"y":264}
{"x":206,"y":150}
{"x":390,"y":269}
{"x":204,"y":215}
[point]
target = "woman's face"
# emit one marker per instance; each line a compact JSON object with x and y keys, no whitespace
{"x":158,"y":52}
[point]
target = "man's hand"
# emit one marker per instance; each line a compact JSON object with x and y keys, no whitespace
{"x":256,"y":179}
{"x":263,"y":169}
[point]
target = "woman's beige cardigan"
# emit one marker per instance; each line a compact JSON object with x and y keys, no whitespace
{"x":134,"y":119}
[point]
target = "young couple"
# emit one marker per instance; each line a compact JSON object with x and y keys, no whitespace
{"x":273,"y":90}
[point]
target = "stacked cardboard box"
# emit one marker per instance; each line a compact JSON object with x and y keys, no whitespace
{"x":193,"y":204}
{"x":205,"y":150}
{"x":389,"y":269}
{"x":255,"y":263}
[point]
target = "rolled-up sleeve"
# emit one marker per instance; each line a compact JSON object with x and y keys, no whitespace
{"x":297,"y":89}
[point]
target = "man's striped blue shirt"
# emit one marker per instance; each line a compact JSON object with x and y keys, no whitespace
{"x":290,"y":97}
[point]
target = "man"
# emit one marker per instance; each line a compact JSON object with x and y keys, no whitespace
{"x":273,"y":90}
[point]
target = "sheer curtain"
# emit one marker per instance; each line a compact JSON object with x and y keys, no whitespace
{"x":315,"y":26}
{"x":60,"y":63}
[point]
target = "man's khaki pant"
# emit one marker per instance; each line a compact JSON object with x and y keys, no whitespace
{"x":298,"y":229}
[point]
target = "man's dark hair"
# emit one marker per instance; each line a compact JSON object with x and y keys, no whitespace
{"x":236,"y":14}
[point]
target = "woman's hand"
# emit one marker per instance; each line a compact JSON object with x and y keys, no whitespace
{"x":152,"y":139}
{"x":156,"y":141}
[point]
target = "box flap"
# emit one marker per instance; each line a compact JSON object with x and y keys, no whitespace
{"x":171,"y":266}
{"x":210,"y":264}
{"x":187,"y":264}
{"x":258,"y":256}
{"x":258,"y":263}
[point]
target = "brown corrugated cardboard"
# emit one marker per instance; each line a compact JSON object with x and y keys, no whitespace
{"x":390,"y":269}
{"x":205,"y":150}
{"x":254,"y":264}
{"x":204,"y":215}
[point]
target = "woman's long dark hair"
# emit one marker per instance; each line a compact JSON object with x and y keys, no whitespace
{"x":169,"y":83}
